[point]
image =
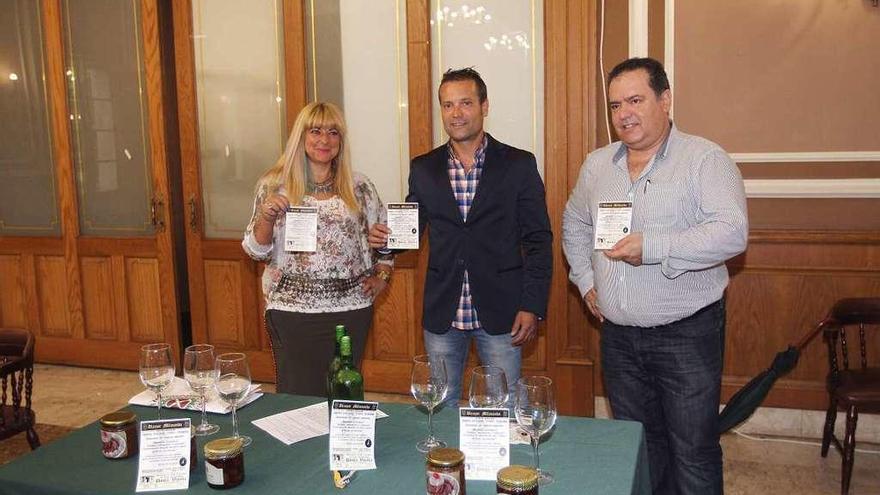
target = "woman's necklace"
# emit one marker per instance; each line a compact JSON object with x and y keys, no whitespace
{"x":324,"y":187}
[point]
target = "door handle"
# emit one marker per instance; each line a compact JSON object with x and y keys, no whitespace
{"x":157,"y":214}
{"x":193,"y":215}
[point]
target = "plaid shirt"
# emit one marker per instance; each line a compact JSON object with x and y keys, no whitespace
{"x":464,"y":185}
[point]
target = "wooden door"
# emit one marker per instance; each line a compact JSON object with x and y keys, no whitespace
{"x":238,"y":83}
{"x":102,"y":283}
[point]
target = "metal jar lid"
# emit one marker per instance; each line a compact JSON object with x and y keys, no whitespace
{"x":223,"y":448}
{"x":118,"y":418}
{"x":517,"y":477}
{"x":445,"y":457}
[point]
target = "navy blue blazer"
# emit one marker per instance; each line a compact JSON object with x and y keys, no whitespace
{"x":505,"y":245}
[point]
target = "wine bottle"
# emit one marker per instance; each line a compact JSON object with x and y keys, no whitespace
{"x":335,"y":363}
{"x":348,"y":383}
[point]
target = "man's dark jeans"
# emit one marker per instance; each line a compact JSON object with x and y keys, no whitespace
{"x":669,"y":379}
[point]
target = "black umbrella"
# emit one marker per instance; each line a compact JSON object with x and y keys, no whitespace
{"x":744,"y":402}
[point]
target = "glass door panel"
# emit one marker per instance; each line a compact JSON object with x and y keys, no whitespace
{"x":356,"y":58}
{"x":28,"y":203}
{"x":108,"y":116}
{"x":239,"y":67}
{"x":503,"y":40}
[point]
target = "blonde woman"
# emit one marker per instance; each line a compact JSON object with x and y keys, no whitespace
{"x":309,"y":293}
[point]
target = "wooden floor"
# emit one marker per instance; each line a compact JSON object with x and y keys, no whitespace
{"x":69,"y":397}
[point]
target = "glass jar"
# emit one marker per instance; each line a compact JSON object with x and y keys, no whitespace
{"x":119,"y":436}
{"x":445,"y":472}
{"x":224,"y":463}
{"x":517,"y":480}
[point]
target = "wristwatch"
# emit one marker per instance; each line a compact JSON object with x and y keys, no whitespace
{"x":384,"y":275}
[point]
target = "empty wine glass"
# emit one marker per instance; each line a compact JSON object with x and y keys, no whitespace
{"x":429,"y":387}
{"x":233,"y":383}
{"x":488,"y":387}
{"x":201,"y":373}
{"x":156,"y":370}
{"x":536,"y":413}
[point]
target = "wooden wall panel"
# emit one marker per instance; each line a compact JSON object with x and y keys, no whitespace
{"x":252,"y":303}
{"x":390,"y":335}
{"x":569,"y":134}
{"x":223,"y":292}
{"x":99,"y":297}
{"x":13,"y":310}
{"x":144,"y":300}
{"x":120,"y":293}
{"x":52,"y":296}
{"x":534,"y":354}
{"x":780,"y":289}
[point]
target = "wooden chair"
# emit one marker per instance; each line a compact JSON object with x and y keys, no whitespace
{"x":16,"y":373}
{"x":855,"y":389}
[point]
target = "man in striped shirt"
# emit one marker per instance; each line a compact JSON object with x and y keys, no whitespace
{"x":659,"y":291}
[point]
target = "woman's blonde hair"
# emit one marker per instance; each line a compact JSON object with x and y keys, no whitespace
{"x":292,"y":171}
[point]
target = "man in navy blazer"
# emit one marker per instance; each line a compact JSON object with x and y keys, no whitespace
{"x":490,"y":259}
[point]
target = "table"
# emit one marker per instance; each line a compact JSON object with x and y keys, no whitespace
{"x":588,"y":456}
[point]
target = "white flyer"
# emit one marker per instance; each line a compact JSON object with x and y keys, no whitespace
{"x":353,"y":435}
{"x":485,"y":440}
{"x":612,"y":223}
{"x":301,"y":229}
{"x":163,"y":461}
{"x":403,"y":220}
{"x":300,"y":424}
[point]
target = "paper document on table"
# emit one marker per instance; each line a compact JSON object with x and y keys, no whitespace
{"x":178,"y":395}
{"x":300,"y":424}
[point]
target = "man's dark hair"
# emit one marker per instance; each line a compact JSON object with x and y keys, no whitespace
{"x":467,"y":74}
{"x":656,"y":73}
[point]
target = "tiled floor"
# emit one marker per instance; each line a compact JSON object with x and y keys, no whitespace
{"x":74,"y":397}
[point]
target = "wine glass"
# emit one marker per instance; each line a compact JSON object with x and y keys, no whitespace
{"x":200,"y":372}
{"x":156,"y":370}
{"x":536,"y":413}
{"x":233,"y":384}
{"x":488,"y":387}
{"x":429,"y":387}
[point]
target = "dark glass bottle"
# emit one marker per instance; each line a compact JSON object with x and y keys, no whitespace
{"x":348,"y":383}
{"x":335,"y":364}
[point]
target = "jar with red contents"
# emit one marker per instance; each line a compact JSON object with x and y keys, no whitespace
{"x":224,"y":463}
{"x":119,"y":436}
{"x":445,"y":472}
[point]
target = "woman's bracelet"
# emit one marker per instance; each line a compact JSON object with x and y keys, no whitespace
{"x":384,"y":275}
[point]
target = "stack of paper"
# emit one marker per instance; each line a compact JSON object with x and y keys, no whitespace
{"x":178,"y":395}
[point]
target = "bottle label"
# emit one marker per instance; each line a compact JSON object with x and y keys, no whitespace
{"x":114,"y":444}
{"x":213,"y":474}
{"x":440,"y":483}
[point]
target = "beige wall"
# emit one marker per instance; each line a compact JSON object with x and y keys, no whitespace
{"x":800,"y":52}
{"x":781,"y":76}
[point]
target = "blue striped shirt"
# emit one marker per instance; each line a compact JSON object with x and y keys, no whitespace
{"x":689,"y":203}
{"x":464,"y":186}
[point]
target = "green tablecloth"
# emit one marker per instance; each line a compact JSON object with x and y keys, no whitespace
{"x":588,"y":456}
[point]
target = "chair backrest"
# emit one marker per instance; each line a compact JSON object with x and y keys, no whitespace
{"x":16,"y":367}
{"x":861,"y":312}
{"x":17,"y":345}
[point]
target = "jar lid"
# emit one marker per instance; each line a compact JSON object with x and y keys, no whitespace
{"x":223,"y":448}
{"x":118,"y":418}
{"x":445,"y":457}
{"x":519,"y":477}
